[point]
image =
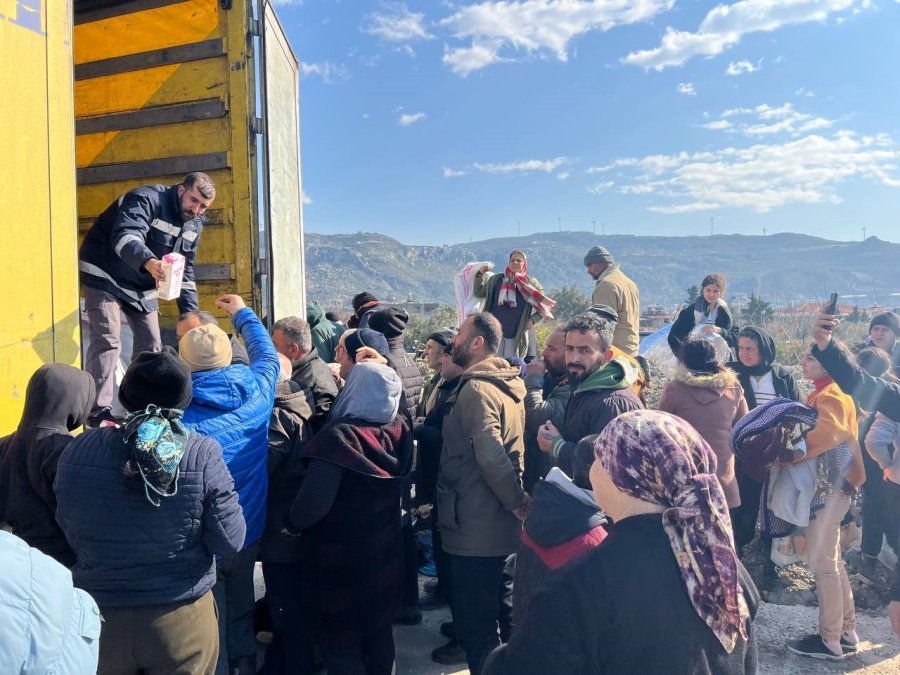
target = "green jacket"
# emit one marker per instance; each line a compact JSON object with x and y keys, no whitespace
{"x":478,"y":484}
{"x":325,"y":333}
{"x":484,"y":287}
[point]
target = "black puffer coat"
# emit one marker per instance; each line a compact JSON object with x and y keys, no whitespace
{"x":130,"y":553}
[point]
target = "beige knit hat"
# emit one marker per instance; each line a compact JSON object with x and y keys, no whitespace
{"x":205,"y":348}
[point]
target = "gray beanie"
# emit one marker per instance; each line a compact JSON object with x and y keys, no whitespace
{"x":597,"y":254}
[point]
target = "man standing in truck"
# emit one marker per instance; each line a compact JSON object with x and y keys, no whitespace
{"x":120,"y":265}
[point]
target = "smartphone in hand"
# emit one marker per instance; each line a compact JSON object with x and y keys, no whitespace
{"x":831,"y":307}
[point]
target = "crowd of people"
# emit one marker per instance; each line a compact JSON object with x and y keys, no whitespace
{"x":573,"y":529}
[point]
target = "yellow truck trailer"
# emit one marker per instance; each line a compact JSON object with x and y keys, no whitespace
{"x":101,"y":96}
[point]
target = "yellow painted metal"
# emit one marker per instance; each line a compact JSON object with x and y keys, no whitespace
{"x":231,"y":239}
{"x":38,"y":271}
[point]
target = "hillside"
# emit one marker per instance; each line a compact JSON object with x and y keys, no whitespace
{"x":782,"y":268}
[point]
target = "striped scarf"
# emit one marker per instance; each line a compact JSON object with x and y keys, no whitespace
{"x":512,"y":282}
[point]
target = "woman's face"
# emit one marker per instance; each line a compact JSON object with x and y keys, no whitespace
{"x":517,"y":263}
{"x":748,"y":352}
{"x":711,"y":293}
{"x":811,"y":368}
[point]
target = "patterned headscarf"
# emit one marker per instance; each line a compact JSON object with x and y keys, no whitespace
{"x":661,"y":459}
{"x":156,"y":441}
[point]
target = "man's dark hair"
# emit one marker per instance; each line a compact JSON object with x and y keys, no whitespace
{"x":205,"y":318}
{"x":202,"y":182}
{"x":582,"y":462}
{"x":296,"y":331}
{"x":487,"y":326}
{"x":589,"y":321}
{"x":333,"y":316}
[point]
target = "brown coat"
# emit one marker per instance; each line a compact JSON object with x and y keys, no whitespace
{"x":479,"y":483}
{"x":712,"y":404}
{"x":621,"y":293}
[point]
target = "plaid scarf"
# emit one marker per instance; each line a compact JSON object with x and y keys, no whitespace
{"x":661,"y":459}
{"x":512,"y":281}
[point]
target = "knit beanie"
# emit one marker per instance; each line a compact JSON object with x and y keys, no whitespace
{"x":160,"y":378}
{"x":597,"y":254}
{"x":442,"y":337}
{"x":361,"y":299}
{"x":888,"y":319}
{"x":366,"y":337}
{"x":390,"y":322}
{"x":205,"y":348}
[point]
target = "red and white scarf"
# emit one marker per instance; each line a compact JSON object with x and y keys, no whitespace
{"x":513,"y":281}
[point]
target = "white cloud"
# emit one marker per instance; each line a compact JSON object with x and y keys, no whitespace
{"x":563,"y":175}
{"x":498,"y":30}
{"x":736,"y":68}
{"x":522,"y":166}
{"x":328,"y":71}
{"x":452,"y":173}
{"x":764,"y":176}
{"x":408,"y":119}
{"x":806,"y":93}
{"x":765,"y":120}
{"x":397,"y":25}
{"x":306,"y":198}
{"x":600,"y":188}
{"x":687,"y":88}
{"x":725,"y":25}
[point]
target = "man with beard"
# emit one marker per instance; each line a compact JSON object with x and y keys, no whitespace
{"x":600,"y":384}
{"x":480,"y":498}
{"x":120,"y":264}
{"x":548,"y":391}
{"x":613,"y":288}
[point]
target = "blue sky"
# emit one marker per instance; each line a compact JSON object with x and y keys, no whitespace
{"x":441,"y":122}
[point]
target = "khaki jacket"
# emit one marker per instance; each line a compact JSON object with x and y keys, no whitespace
{"x":619,"y":292}
{"x":479,"y":482}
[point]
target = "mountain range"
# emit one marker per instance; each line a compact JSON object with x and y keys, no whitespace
{"x":781,"y":268}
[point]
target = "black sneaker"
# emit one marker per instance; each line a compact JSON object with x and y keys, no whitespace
{"x":813,"y":647}
{"x":432,"y":601}
{"x":451,"y":654}
{"x":849,"y":647}
{"x":408,"y":615}
{"x":448,"y":630}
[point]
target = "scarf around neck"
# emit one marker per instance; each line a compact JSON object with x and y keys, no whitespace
{"x":512,"y":282}
{"x":660,"y":459}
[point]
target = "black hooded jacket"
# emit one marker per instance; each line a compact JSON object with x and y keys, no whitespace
{"x":559,"y":528}
{"x":57,"y":401}
{"x":782,"y":379}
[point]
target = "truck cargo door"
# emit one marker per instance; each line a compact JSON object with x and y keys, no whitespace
{"x":281,"y":178}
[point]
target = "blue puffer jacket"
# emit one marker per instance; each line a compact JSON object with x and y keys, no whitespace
{"x":49,"y":626}
{"x":130,"y":553}
{"x":234,"y":405}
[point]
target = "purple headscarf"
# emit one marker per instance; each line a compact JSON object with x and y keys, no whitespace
{"x":661,"y":459}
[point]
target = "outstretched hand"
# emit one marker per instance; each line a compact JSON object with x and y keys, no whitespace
{"x":231,"y":303}
{"x":823,"y":328}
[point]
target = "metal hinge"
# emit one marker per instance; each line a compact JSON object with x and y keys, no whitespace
{"x":254,"y":27}
{"x":256,"y":125}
